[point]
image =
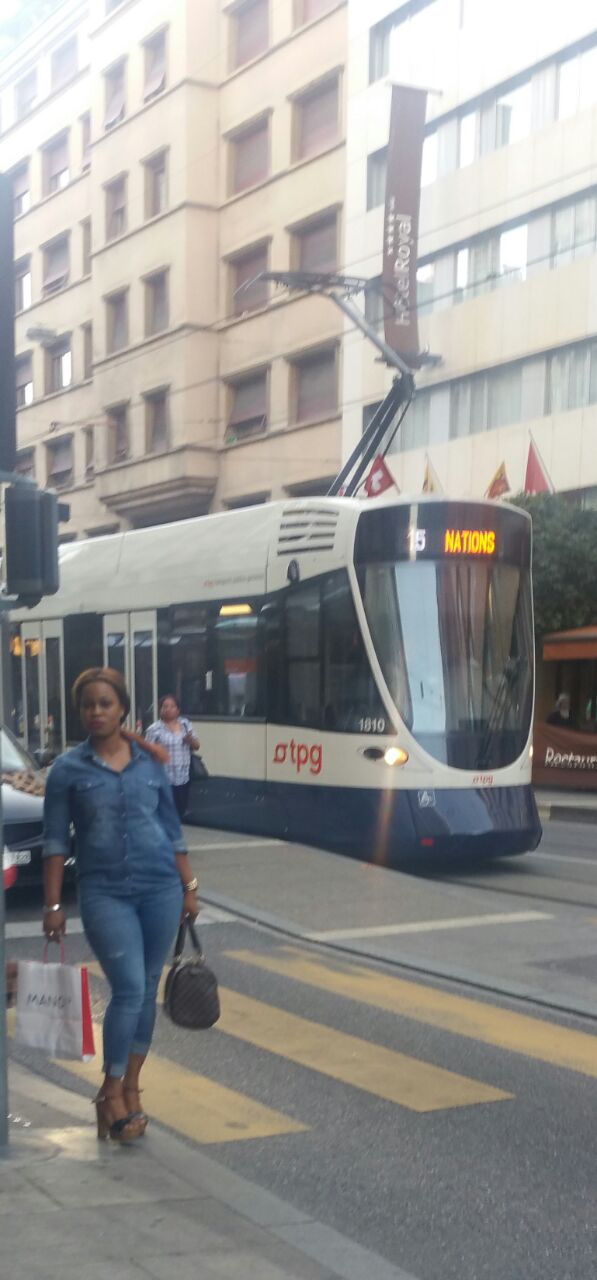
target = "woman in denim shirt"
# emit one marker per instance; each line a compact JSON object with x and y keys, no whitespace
{"x":134,"y":878}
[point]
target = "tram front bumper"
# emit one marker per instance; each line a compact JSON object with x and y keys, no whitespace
{"x":482,"y":821}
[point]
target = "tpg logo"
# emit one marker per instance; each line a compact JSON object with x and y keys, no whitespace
{"x":300,"y":755}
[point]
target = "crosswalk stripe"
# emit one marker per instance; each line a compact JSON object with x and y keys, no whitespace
{"x":516,"y":1032}
{"x":410,"y":1083}
{"x":193,"y":1105}
{"x":418,"y":1086}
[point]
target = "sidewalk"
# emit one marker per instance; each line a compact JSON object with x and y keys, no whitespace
{"x":159,"y":1210}
{"x":566,"y":806}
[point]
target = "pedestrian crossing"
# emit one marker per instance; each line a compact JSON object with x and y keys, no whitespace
{"x":208,"y":1112}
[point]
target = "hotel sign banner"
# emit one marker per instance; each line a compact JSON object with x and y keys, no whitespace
{"x":401,"y":223}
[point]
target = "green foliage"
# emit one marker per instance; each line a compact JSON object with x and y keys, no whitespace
{"x":564,"y":562}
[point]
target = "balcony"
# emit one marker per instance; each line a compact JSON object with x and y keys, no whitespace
{"x":160,"y":487}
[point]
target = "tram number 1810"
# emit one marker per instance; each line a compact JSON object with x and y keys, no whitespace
{"x":372,"y":724}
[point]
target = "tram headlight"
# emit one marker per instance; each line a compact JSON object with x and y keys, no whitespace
{"x":395,"y":755}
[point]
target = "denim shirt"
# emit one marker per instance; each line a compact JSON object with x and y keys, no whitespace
{"x":126,"y":825}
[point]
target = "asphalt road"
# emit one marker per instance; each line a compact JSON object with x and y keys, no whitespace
{"x":452,"y":1133}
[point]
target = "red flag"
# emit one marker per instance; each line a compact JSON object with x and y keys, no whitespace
{"x":499,"y":483}
{"x":536,"y":478}
{"x":379,"y":479}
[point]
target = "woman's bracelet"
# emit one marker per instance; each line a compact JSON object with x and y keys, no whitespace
{"x":192,"y":885}
{"x":48,"y":910}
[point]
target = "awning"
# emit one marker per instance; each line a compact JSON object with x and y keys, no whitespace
{"x":563,"y":646}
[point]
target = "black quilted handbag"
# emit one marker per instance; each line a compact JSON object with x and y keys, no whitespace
{"x":191,"y":996}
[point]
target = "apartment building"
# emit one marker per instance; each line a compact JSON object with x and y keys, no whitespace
{"x":162,"y":155}
{"x":507,"y":294}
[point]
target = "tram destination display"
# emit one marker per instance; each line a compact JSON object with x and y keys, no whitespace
{"x":444,"y":531}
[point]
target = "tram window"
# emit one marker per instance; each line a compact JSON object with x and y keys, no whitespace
{"x":54,"y":701}
{"x":182,"y":656}
{"x":83,"y":647}
{"x":17,"y":721}
{"x":116,"y":651}
{"x":235,"y":672}
{"x":303,"y":655}
{"x":329,"y":682}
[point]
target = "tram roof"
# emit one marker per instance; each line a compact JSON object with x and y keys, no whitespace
{"x":225,"y":553}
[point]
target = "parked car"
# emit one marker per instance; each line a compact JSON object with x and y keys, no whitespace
{"x":22,"y":807}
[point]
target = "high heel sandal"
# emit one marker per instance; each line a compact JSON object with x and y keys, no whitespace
{"x":115,"y":1130}
{"x":136,"y":1112}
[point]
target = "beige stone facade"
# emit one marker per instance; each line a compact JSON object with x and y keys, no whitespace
{"x":163,"y":154}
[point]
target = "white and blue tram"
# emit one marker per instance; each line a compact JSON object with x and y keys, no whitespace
{"x":360,"y":675}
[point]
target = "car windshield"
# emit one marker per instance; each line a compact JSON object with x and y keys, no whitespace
{"x":13,"y":757}
{"x":454,"y":641}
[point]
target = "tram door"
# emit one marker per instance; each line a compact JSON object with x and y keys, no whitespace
{"x":130,"y":646}
{"x":43,"y":717}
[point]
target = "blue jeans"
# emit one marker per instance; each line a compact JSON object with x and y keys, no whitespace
{"x":131,"y":938}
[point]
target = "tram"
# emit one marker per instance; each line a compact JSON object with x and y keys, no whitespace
{"x":360,"y":675}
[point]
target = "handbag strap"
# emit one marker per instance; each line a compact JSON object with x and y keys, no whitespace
{"x":45,"y":953}
{"x":187,"y":925}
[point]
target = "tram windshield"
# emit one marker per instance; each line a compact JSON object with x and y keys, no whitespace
{"x":454,"y":639}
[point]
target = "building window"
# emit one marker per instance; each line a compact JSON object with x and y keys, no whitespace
{"x":414,"y":432}
{"x":467,"y":139}
{"x":250,"y":31}
{"x":505,"y":118}
{"x":316,"y":120}
{"x":377,"y":172}
{"x":155,"y":66}
{"x":89,"y":447}
{"x":59,"y":366}
{"x":55,"y":265}
{"x":24,"y":380}
{"x":315,"y":244}
{"x":64,"y":63}
{"x":315,"y":390}
{"x":425,"y":288}
{"x":156,"y":421}
{"x":117,"y":321}
{"x":573,"y":230}
{"x":490,"y":261}
{"x":157,"y":316}
{"x":379,"y":50}
{"x":485,"y":401}
{"x":60,"y":463}
{"x":111,"y":5}
{"x":248,"y":406}
{"x":374,"y":303}
{"x":116,"y":208}
{"x":249,"y":157}
{"x":118,"y":434}
{"x":577,"y":83}
{"x":23,"y":284}
{"x":155,"y":185}
{"x":369,"y":412}
{"x":429,"y":164}
{"x":87,"y":351}
{"x":249,"y":293}
{"x":309,"y":10}
{"x":115,"y":91}
{"x":20,"y":190}
{"x":25,"y":463}
{"x":56,"y":173}
{"x":86,"y":140}
{"x":572,"y":378}
{"x":25,"y":95}
{"x":86,"y":235}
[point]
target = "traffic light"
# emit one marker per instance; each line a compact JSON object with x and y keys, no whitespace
{"x":31,"y":543}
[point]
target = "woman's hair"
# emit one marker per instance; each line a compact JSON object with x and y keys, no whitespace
{"x":167,"y":697}
{"x":108,"y":675}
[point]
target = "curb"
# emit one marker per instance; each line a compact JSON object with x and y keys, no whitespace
{"x":565,"y":813}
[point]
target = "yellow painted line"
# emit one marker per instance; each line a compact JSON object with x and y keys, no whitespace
{"x":393,"y":1076}
{"x":516,"y":1032}
{"x":191,"y":1104}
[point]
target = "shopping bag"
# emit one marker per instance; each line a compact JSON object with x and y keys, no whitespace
{"x":54,"y":1010}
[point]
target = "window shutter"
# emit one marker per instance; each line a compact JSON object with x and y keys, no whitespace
{"x":251,"y":157}
{"x":318,"y":245}
{"x":252,"y":34}
{"x":245,"y":269}
{"x":249,"y":408}
{"x":317,"y":120}
{"x":316,"y":387}
{"x":155,"y":66}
